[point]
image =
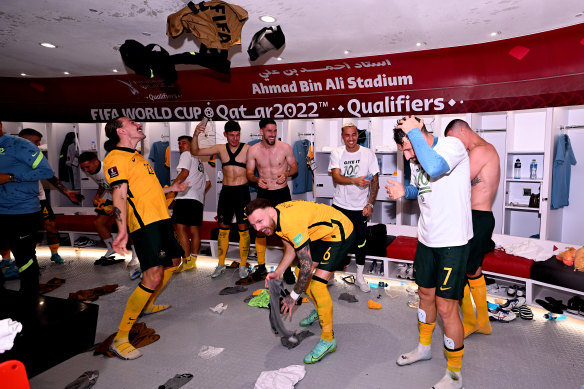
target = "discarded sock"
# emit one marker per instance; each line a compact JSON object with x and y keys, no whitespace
{"x":92,"y":294}
{"x":284,"y":378}
{"x":208,"y":352}
{"x":299,"y":337}
{"x":373,"y":305}
{"x":219,"y":308}
{"x":85,"y":380}
{"x":348,"y":297}
{"x":177,"y":381}
{"x":51,"y":285}
{"x":232,"y":290}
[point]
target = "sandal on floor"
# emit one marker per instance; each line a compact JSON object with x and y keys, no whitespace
{"x":525,"y":312}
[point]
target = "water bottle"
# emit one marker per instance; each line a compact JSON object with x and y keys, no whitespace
{"x":517,"y":170}
{"x":533,"y":170}
{"x":93,"y":146}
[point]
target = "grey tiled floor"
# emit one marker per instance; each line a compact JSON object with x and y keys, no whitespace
{"x":520,"y":354}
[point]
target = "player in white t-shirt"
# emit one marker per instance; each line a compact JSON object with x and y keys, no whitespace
{"x":440,"y":180}
{"x":187,"y":214}
{"x":355,"y":173}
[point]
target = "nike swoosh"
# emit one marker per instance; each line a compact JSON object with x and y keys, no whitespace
{"x":34,"y":155}
{"x":443,"y":288}
{"x":26,"y":236}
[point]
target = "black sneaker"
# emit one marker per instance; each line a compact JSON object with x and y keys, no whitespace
{"x":575,"y":305}
{"x":289,"y":277}
{"x":259,"y":273}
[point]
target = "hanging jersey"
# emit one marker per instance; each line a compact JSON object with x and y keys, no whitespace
{"x":99,"y":178}
{"x":357,"y":164}
{"x":158,"y":157}
{"x":234,"y":155}
{"x":300,"y":222}
{"x":217,"y":24}
{"x":444,"y":201}
{"x":197,"y":178}
{"x":146,"y":202}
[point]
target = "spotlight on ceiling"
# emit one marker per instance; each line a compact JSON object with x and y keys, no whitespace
{"x":347,"y":52}
{"x":495,"y":33}
{"x":23,"y":74}
{"x":267,"y":19}
{"x":66,"y":73}
{"x":420,"y":44}
{"x":279,"y":58}
{"x":115,"y":70}
{"x":48,"y":45}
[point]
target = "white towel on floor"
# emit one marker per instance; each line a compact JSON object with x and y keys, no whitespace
{"x":284,"y":378}
{"x":528,"y":249}
{"x":8,"y":330}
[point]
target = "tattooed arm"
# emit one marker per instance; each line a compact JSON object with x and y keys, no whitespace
{"x":373,"y":189}
{"x":119,"y":194}
{"x":71,"y":194}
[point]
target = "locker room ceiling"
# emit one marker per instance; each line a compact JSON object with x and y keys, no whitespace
{"x":89,"y":33}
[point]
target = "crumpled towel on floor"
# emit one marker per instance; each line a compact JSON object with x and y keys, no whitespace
{"x":284,"y":378}
{"x":8,"y":330}
{"x":208,"y":352}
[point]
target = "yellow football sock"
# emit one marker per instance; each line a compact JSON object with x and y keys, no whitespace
{"x":260,"y":243}
{"x":136,"y":302}
{"x":469,"y":320}
{"x":324,"y":307}
{"x":454,"y":359}
{"x":426,"y":330}
{"x":478,"y":290}
{"x":223,"y":243}
{"x":54,"y":248}
{"x":150,"y":307}
{"x":243,"y":246}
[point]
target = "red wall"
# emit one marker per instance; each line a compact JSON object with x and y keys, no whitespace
{"x":534,"y":71}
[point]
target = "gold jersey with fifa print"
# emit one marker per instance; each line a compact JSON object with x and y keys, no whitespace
{"x":301,"y":221}
{"x":146,"y":202}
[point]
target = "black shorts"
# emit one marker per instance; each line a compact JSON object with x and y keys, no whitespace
{"x":156,"y":244}
{"x":443,"y":268}
{"x":483,"y":224}
{"x":188,"y":212}
{"x":276,"y":196}
{"x":232,"y":201}
{"x":47,"y":211}
{"x":331,"y":256}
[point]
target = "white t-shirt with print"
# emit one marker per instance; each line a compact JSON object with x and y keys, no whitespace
{"x":197,"y":178}
{"x":99,"y":178}
{"x":357,"y":164}
{"x":444,"y":201}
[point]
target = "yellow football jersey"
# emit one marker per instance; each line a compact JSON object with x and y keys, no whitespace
{"x":146,"y":202}
{"x":302,"y":221}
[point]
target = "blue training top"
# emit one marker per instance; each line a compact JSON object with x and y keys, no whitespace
{"x":22,"y":158}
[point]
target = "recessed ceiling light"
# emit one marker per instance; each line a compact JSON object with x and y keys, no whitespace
{"x":48,"y":45}
{"x":66,"y":73}
{"x":115,"y":70}
{"x":347,"y":52}
{"x":495,"y":33}
{"x":23,"y":74}
{"x":267,"y":19}
{"x":420,"y":44}
{"x":279,"y":58}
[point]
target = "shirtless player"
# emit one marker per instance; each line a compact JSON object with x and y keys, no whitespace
{"x":234,"y":194}
{"x":274,"y":162}
{"x":485,"y":172}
